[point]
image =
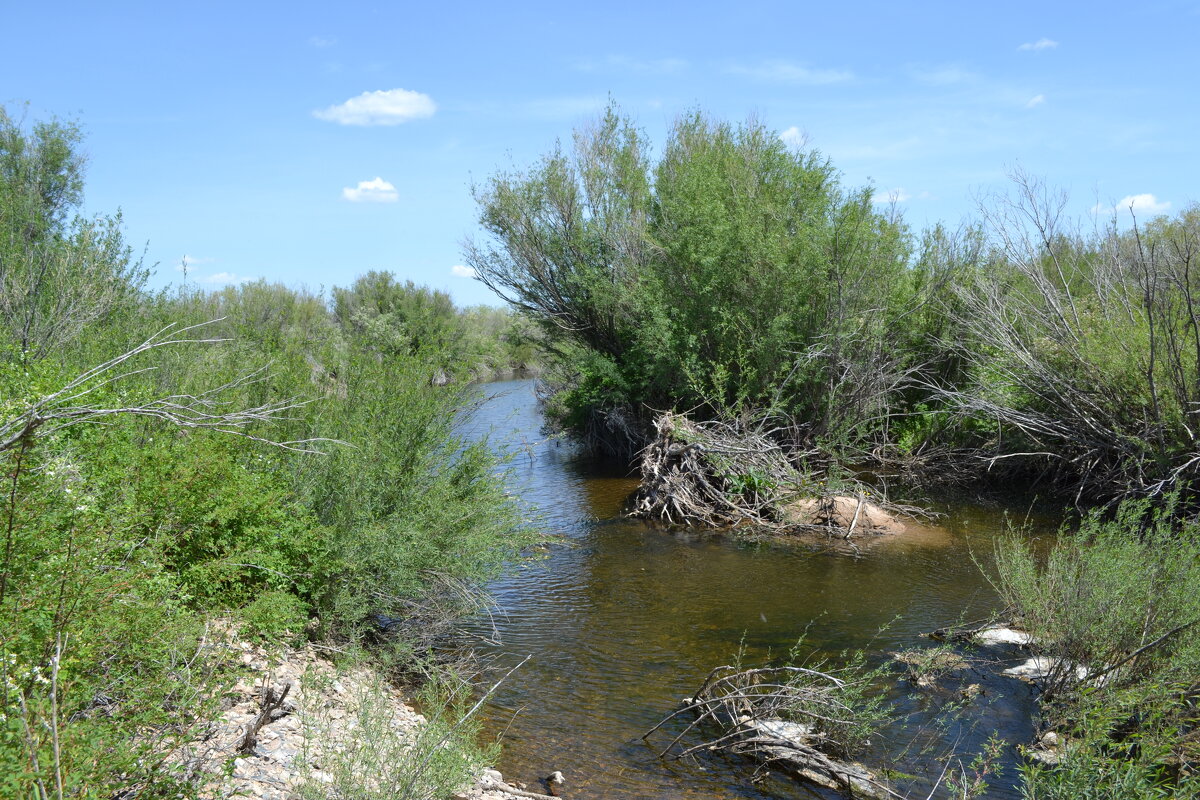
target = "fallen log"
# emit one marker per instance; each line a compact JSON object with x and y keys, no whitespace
{"x":792,"y":718}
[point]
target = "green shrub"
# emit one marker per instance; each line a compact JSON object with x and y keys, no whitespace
{"x":1119,"y":597}
{"x":733,"y":274}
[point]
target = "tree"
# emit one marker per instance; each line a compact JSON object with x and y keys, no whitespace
{"x":733,"y":274}
{"x":59,"y":273}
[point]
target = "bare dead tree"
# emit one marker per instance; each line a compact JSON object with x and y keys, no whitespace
{"x":1084,"y":349}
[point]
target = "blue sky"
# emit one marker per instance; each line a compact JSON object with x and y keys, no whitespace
{"x":310,"y":142}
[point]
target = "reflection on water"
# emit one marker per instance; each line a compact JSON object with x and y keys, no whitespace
{"x":623,"y":620}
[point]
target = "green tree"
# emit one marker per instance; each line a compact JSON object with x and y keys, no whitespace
{"x":733,"y":274}
{"x":59,"y":272}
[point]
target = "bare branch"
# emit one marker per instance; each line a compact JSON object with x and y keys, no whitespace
{"x":213,"y":409}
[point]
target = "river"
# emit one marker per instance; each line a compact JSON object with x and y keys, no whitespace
{"x":620,"y":620}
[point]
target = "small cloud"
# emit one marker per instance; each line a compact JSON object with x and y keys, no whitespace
{"x":897,"y":195}
{"x":322,"y":42}
{"x":794,"y":137}
{"x":462,"y":271}
{"x":944,"y":76}
{"x":559,"y":107}
{"x":1036,"y":100}
{"x":789,"y":72}
{"x":187,"y":262}
{"x":225,"y":279}
{"x":391,"y":107}
{"x":1040,"y":44}
{"x":373,"y":191}
{"x":622,"y":63}
{"x":1138,"y":204}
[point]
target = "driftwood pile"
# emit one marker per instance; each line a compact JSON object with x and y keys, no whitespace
{"x":720,"y":474}
{"x":713,"y":474}
{"x":790,"y":718}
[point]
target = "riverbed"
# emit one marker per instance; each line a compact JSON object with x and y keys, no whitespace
{"x":620,"y":620}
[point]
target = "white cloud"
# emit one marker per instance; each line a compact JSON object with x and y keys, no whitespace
{"x":794,"y":137}
{"x":462,"y":271}
{"x":322,"y":42}
{"x":1139,"y":204}
{"x":390,"y":107}
{"x":187,"y":262}
{"x":622,"y":63}
{"x":789,"y":72}
{"x":897,"y":195}
{"x":373,"y":191}
{"x":944,"y":76}
{"x":1036,"y":100}
{"x":225,"y":278}
{"x":559,"y":107}
{"x":1040,"y":44}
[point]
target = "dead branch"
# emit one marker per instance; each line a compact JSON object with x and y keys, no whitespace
{"x":713,"y":474}
{"x":271,"y":702}
{"x":728,"y":473}
{"x":793,"y":717}
{"x":211,"y":410}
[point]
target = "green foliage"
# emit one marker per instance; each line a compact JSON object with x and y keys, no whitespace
{"x":58,"y":275}
{"x":388,"y":758}
{"x":734,"y":274}
{"x":404,"y":319}
{"x":1120,"y":598}
{"x":118,"y":541}
{"x":1081,"y":348}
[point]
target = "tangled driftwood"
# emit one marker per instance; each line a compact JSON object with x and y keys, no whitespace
{"x":789,"y":717}
{"x":723,"y":474}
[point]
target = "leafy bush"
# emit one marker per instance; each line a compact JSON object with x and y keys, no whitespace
{"x":1116,"y":602}
{"x":123,"y":535}
{"x":734,"y":274}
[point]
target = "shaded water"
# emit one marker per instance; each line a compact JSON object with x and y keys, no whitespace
{"x":622,"y":620}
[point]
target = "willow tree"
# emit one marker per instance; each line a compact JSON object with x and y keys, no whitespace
{"x":59,"y":272}
{"x":731,"y":274}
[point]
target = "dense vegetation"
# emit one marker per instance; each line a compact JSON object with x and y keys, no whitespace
{"x":256,"y":454}
{"x":733,"y":274}
{"x":734,"y":278}
{"x":736,"y":275}
{"x":1113,"y":609}
{"x":289,"y":462}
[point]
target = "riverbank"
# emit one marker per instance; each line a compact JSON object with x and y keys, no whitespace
{"x":296,"y":725}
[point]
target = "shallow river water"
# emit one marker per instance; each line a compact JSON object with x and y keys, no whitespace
{"x":621,"y":620}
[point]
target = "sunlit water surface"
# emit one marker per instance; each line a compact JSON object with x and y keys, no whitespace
{"x":621,"y":620}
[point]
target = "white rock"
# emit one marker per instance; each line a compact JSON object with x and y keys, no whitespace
{"x":788,"y":731}
{"x":994,"y":636}
{"x":1036,"y":669}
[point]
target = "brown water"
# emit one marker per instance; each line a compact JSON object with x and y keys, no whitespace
{"x":621,"y":620}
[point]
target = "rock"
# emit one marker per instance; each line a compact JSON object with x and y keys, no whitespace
{"x":838,"y":511}
{"x":300,"y":743}
{"x":1002,"y":635}
{"x":780,"y":729}
{"x":1038,"y":669}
